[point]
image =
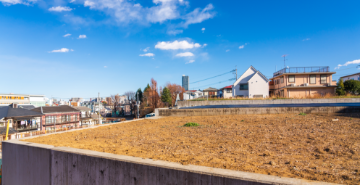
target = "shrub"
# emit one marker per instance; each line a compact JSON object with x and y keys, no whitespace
{"x":302,"y":114}
{"x":191,"y":124}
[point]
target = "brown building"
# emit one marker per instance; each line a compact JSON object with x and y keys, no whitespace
{"x":302,"y":82}
{"x":109,"y":100}
{"x":58,"y":116}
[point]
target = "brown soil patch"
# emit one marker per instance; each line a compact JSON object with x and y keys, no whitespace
{"x":310,"y":147}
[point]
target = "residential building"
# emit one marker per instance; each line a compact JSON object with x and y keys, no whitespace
{"x":94,"y":106}
{"x":86,"y":116}
{"x":185,"y":82}
{"x":109,"y":100}
{"x":20,"y":119}
{"x":58,"y":117}
{"x":210,"y":92}
{"x":293,"y":82}
{"x":252,"y":84}
{"x":192,"y":94}
{"x":355,"y":76}
{"x":225,"y":92}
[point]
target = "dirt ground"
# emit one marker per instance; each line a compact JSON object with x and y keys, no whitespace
{"x":310,"y":147}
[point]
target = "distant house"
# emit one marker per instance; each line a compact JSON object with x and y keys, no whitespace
{"x":210,"y":92}
{"x":20,"y":119}
{"x":355,"y":76}
{"x":59,"y":116}
{"x":192,"y":94}
{"x":252,"y":83}
{"x":302,"y":82}
{"x":225,"y":92}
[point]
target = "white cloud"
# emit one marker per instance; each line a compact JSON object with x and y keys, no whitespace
{"x":166,"y":10}
{"x":203,"y":30}
{"x":146,"y":49}
{"x":241,"y":47}
{"x":72,"y":1}
{"x":190,"y":61}
{"x":62,"y":50}
{"x":186,"y":54}
{"x":176,"y":45}
{"x":227,"y":50}
{"x":204,"y":45}
{"x":348,"y":63}
{"x":174,"y":32}
{"x":198,"y":16}
{"x":306,"y":39}
{"x":67,"y":35}
{"x":60,"y":9}
{"x":105,"y":66}
{"x":147,"y":55}
{"x":82,"y":36}
{"x":12,"y":2}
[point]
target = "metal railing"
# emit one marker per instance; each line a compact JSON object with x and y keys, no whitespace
{"x":29,"y":127}
{"x":320,"y":69}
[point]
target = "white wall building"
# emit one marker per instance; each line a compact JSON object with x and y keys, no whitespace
{"x":251,"y":84}
{"x":192,"y":94}
{"x":355,"y":76}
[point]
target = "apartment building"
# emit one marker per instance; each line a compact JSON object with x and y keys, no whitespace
{"x":293,"y":82}
{"x":36,"y":100}
{"x":355,"y":76}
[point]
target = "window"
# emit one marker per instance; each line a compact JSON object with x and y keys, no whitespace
{"x":76,"y":117}
{"x":323,"y":79}
{"x":228,"y":91}
{"x":63,"y":118}
{"x":282,"y":79}
{"x":312,"y":79}
{"x":244,"y":87}
{"x":291,"y":78}
{"x":68,"y":118}
{"x":50,"y":119}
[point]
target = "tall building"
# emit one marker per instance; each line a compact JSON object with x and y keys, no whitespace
{"x":185,"y":82}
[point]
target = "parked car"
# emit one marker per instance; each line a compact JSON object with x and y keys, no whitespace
{"x":150,"y":115}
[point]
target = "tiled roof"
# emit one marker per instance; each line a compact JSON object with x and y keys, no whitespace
{"x":56,"y":109}
{"x":8,"y":111}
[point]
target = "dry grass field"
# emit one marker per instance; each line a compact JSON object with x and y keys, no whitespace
{"x":312,"y":147}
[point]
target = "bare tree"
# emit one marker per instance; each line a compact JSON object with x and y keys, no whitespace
{"x":117,"y":104}
{"x":130,"y":95}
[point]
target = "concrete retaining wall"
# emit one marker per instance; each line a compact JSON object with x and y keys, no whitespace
{"x":257,"y":110}
{"x":276,"y":101}
{"x":37,"y":164}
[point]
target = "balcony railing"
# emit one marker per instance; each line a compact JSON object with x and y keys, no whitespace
{"x":320,"y":69}
{"x":29,"y":127}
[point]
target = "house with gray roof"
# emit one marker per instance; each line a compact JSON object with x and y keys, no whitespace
{"x":251,"y":84}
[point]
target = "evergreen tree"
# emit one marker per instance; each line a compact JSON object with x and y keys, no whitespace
{"x":139,"y":94}
{"x":147,"y":87}
{"x":352,"y":86}
{"x":166,"y":96}
{"x":340,"y":89}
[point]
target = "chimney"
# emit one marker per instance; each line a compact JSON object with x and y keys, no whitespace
{"x":15,"y":105}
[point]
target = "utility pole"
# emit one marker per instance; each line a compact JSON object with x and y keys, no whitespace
{"x":236,"y":72}
{"x":137,"y":102}
{"x":99,"y":108}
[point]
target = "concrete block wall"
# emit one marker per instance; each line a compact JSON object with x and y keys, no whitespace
{"x":276,"y":101}
{"x":257,"y":110}
{"x":37,"y":164}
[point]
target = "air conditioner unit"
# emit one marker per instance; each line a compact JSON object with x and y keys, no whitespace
{"x":306,"y":84}
{"x":292,"y":85}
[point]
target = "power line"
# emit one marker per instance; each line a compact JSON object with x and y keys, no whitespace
{"x":215,"y":83}
{"x":213,"y":77}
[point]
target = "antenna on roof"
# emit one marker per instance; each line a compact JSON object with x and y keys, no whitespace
{"x":284,"y":59}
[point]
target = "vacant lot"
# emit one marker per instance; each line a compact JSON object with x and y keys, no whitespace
{"x":301,"y":146}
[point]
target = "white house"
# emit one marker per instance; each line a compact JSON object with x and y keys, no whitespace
{"x":192,"y":94}
{"x":252,"y":84}
{"x":225,"y":92}
{"x":355,"y":76}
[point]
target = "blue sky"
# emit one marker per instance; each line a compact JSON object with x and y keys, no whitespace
{"x":78,"y":48}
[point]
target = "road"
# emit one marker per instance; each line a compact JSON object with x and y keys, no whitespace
{"x":276,"y":105}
